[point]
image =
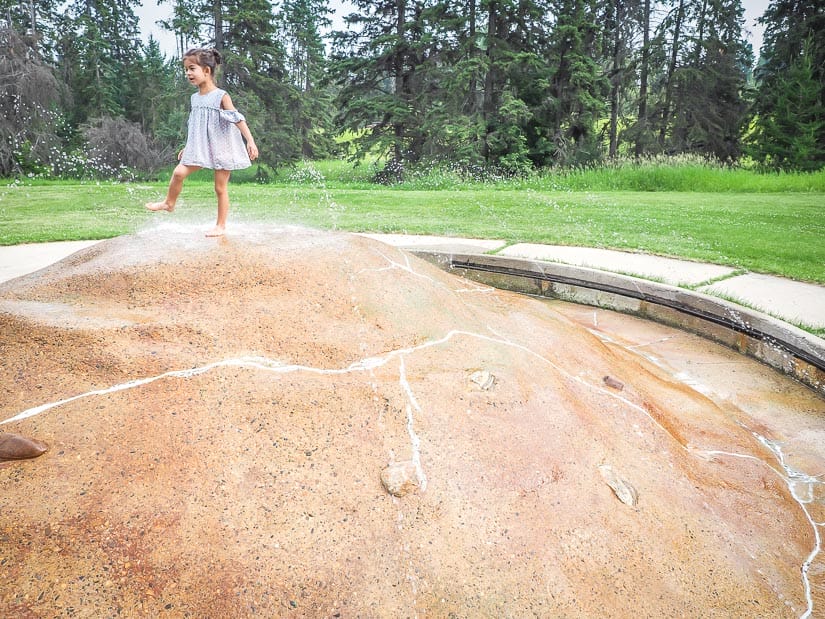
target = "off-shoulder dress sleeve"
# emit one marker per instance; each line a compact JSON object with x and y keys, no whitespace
{"x":233,"y":116}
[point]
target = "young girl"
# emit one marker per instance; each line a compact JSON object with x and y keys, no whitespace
{"x":214,"y":138}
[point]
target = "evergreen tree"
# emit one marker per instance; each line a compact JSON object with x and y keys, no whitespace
{"x":455,"y":119}
{"x":156,"y":97}
{"x":190,"y":21}
{"x":34,"y":22}
{"x":790,"y":137}
{"x":709,"y":112}
{"x":255,"y":74}
{"x":578,"y":85}
{"x":641,"y":131}
{"x":300,"y":24}
{"x":375,"y":67}
{"x":97,"y":42}
{"x":515,"y":98}
{"x":790,"y":127}
{"x":621,"y":27}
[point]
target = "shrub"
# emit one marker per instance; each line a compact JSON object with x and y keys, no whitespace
{"x":116,"y":145}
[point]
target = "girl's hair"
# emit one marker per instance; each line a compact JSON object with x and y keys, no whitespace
{"x":205,"y":57}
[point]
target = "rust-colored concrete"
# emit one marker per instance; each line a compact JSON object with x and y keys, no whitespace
{"x":219,"y":414}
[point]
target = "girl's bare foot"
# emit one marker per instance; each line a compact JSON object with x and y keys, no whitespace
{"x":216,"y":231}
{"x":160,"y":206}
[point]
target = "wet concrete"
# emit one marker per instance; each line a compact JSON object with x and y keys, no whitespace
{"x":21,"y":259}
{"x":793,"y":300}
{"x":670,"y":270}
{"x":219,"y":414}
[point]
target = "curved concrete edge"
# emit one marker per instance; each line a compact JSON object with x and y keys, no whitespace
{"x":774,"y":342}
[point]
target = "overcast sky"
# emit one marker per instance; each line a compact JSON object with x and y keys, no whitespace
{"x":150,"y":12}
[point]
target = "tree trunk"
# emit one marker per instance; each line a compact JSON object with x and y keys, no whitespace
{"x":472,"y":49}
{"x":217,"y":14}
{"x":640,"y":138}
{"x":489,"y":101}
{"x":398,"y":67}
{"x":671,"y":70}
{"x":615,"y":79}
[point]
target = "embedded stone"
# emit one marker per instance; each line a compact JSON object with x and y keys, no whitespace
{"x":623,"y":490}
{"x":400,"y":478}
{"x":613,"y":383}
{"x":483,"y":379}
{"x":16,"y":447}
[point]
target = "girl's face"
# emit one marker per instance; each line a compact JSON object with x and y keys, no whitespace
{"x":196,"y":74}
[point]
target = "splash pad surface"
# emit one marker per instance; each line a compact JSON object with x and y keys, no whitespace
{"x":219,"y":415}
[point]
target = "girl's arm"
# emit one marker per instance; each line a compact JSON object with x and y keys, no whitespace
{"x":251,"y":147}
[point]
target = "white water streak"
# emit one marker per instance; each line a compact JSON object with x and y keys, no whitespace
{"x":415,"y":442}
{"x":793,"y":478}
{"x":273,"y":365}
{"x":260,"y":363}
{"x":407,"y":267}
{"x":370,"y":363}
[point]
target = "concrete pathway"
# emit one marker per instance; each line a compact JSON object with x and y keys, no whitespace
{"x":796,"y":302}
{"x":668,"y":270}
{"x":17,"y":260}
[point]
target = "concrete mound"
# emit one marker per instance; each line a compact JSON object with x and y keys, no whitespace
{"x":220,"y":417}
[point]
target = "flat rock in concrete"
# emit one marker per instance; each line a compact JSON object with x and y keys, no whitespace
{"x":668,"y":270}
{"x":219,"y":413}
{"x":793,"y":301}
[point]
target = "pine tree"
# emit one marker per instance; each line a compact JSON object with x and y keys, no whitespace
{"x":375,"y":65}
{"x":578,"y":86}
{"x":255,"y":74}
{"x":34,"y":23}
{"x":97,"y":40}
{"x":790,"y":136}
{"x":300,"y":24}
{"x":790,"y":79}
{"x":709,"y":108}
{"x":641,"y":131}
{"x":621,"y":27}
{"x":156,"y":97}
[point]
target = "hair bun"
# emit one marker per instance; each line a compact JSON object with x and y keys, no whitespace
{"x":217,"y":55}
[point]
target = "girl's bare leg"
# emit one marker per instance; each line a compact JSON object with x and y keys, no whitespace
{"x":175,"y":185}
{"x":222,"y":192}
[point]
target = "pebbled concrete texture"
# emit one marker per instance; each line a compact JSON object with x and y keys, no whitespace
{"x":778,"y":343}
{"x":219,"y":413}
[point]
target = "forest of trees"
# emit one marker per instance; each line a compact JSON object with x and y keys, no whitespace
{"x":512,"y":85}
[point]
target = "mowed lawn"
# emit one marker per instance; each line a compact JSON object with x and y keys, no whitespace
{"x":780,"y":233}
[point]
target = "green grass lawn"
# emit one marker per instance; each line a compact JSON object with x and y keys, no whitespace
{"x":779,"y":232}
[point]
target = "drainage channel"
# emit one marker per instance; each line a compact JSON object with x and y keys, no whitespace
{"x":774,"y":342}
